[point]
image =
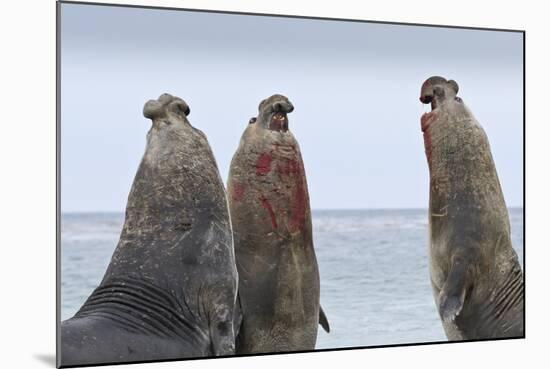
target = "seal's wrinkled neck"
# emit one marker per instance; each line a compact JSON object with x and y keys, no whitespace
{"x":273,"y":113}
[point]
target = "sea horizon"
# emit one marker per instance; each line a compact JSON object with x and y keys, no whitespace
{"x":84,"y":212}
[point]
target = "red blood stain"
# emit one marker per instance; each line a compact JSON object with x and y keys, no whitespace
{"x":263,"y":164}
{"x":238,"y":191}
{"x":425,"y":122}
{"x":267,"y":206}
{"x":426,"y":119}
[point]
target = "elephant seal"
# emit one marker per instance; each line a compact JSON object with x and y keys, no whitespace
{"x":170,"y":289}
{"x":270,"y":213}
{"x":476,"y":278}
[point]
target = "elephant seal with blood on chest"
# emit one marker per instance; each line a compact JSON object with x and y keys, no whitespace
{"x":270,"y":213}
{"x":476,"y":277}
{"x":170,"y":289}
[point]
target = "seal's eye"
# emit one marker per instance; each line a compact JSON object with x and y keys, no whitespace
{"x":439,"y":91}
{"x":260,"y":107}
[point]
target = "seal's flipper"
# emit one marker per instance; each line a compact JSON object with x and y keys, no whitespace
{"x":450,"y":307}
{"x":222,"y":334}
{"x":453,"y":293}
{"x":323,"y":321}
{"x":237,"y":317}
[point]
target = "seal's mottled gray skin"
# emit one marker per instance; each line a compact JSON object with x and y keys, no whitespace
{"x":476,"y":277}
{"x":270,"y":212}
{"x":170,"y":289}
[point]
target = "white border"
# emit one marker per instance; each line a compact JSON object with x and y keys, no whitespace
{"x":27,"y":187}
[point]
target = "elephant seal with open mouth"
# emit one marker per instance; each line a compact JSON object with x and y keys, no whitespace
{"x":476,"y":277}
{"x":270,"y":212}
{"x":170,"y":289}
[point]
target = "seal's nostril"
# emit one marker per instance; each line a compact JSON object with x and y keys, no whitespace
{"x":283,"y":107}
{"x":165,"y":98}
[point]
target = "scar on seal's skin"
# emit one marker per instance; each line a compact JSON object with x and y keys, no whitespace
{"x":443,"y":214}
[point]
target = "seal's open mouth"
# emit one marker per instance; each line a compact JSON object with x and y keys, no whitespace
{"x":427,"y":118}
{"x":428,"y":99}
{"x":434,"y":91}
{"x":279,"y":122}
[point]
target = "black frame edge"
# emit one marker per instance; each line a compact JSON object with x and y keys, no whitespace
{"x":232,"y":12}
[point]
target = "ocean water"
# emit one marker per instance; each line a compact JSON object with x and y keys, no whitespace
{"x":375,"y":287}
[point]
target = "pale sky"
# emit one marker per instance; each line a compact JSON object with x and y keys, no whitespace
{"x":354,"y":86}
